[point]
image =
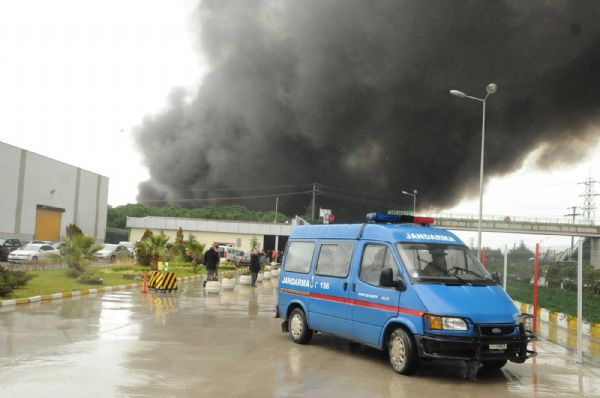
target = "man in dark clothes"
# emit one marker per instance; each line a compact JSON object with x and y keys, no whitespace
{"x":211,"y":261}
{"x":254,"y":266}
{"x":437,"y":266}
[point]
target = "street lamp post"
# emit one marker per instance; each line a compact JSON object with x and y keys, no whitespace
{"x":414,"y":195}
{"x":490,"y":89}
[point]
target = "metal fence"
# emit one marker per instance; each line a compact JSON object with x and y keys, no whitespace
{"x":558,"y":306}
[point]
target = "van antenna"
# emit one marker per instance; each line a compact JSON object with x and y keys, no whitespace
{"x":362,"y":228}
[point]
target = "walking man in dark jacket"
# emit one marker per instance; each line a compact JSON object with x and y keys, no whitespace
{"x":211,"y":261}
{"x":254,"y":266}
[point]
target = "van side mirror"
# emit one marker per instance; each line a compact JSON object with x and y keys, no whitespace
{"x":400,"y":284}
{"x":386,"y":279}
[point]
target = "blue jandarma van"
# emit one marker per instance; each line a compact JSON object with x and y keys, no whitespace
{"x":397,"y":284}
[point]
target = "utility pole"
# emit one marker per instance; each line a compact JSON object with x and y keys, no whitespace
{"x":276,"y":236}
{"x":573,"y":214}
{"x":314,"y":193}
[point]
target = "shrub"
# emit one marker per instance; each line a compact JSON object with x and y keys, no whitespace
{"x":78,"y":251}
{"x":152,"y":249}
{"x":141,"y":249}
{"x":10,"y":280}
{"x":119,"y":268}
{"x":90,"y":278}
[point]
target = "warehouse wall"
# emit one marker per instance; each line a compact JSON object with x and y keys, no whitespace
{"x":9,"y":179}
{"x":207,"y":238}
{"x":30,"y":180}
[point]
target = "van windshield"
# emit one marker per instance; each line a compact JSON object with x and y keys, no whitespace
{"x":438,"y":263}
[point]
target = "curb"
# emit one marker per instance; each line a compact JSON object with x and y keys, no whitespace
{"x":562,"y":320}
{"x":78,"y":293}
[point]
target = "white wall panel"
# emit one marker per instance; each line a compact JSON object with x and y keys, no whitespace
{"x":9,"y":179}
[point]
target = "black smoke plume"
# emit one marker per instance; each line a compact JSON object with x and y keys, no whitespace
{"x":354,"y":95}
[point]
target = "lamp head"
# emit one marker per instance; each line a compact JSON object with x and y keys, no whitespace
{"x":491,"y":88}
{"x":458,"y":93}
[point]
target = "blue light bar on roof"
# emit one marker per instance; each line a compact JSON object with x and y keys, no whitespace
{"x":398,"y":219}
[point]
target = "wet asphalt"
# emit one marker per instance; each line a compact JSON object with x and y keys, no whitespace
{"x":195,"y":344}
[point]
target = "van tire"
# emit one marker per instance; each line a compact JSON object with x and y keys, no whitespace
{"x":402,"y":351}
{"x":494,"y":364}
{"x":298,"y":327}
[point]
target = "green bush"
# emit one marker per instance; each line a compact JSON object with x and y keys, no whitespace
{"x":11,"y":280}
{"x":78,"y":251}
{"x":90,"y":278}
{"x":119,"y":268}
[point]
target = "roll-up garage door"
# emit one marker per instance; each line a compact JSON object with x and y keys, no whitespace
{"x":47,"y":224}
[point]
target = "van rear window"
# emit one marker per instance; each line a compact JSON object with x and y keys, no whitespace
{"x":299,"y":257}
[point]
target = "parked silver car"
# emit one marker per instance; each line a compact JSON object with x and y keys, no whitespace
{"x":32,"y":252}
{"x":111,"y":252}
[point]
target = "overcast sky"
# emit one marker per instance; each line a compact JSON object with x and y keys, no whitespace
{"x":77,"y":78}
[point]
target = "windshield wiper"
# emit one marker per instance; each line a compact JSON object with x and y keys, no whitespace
{"x":459,"y":278}
{"x":473,"y":273}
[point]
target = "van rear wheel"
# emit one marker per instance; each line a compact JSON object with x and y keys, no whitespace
{"x":298,"y":327}
{"x":404,"y":357}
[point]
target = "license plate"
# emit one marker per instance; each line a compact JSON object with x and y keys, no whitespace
{"x":498,"y":346}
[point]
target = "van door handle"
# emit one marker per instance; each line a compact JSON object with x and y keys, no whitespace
{"x":345,"y":285}
{"x":354,"y":287}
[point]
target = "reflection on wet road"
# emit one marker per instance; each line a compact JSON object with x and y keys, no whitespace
{"x":193,"y":344}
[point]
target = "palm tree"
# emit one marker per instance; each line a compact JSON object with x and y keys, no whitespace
{"x":78,"y":251}
{"x":156,"y":246}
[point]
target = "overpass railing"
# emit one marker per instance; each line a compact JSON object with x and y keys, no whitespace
{"x":505,"y":219}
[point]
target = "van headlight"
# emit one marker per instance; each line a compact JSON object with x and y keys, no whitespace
{"x":527,"y":321}
{"x":446,"y":323}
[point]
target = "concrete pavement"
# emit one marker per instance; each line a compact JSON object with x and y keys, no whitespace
{"x":193,"y":344}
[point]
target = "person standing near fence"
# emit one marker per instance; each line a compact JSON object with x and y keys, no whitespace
{"x":254,"y":266}
{"x":211,"y":261}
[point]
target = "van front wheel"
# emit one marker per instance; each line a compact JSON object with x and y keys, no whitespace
{"x":298,"y":327}
{"x":404,"y":357}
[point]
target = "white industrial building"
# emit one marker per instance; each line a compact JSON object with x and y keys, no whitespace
{"x":40,"y":196}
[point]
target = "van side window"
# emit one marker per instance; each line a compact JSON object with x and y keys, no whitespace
{"x":334,"y":259}
{"x":299,"y":256}
{"x":375,"y":259}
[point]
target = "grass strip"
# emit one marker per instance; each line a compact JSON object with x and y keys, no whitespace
{"x":48,"y":282}
{"x":559,"y":300}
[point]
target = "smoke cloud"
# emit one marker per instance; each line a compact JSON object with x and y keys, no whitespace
{"x":354,"y":95}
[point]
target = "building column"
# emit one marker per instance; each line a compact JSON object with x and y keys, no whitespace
{"x":595,"y":253}
{"x":20,"y":188}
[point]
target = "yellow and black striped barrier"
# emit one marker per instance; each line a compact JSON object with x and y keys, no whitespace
{"x":166,"y":281}
{"x":153,"y":278}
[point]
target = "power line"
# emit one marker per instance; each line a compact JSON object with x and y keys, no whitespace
{"x":239,"y":188}
{"x":227,"y":198}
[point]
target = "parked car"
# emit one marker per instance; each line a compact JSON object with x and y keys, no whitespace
{"x":129,"y":247}
{"x":245,"y":260}
{"x":7,"y":246}
{"x":32,"y":253}
{"x":228,"y":253}
{"x":58,"y":246}
{"x":110,"y":252}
